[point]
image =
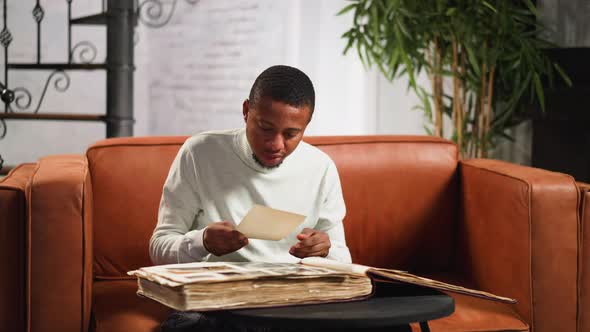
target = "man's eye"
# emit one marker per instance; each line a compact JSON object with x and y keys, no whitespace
{"x":267,"y":129}
{"x":290,"y":135}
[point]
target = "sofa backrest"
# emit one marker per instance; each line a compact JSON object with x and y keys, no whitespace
{"x":127,"y":179}
{"x":401,"y":194}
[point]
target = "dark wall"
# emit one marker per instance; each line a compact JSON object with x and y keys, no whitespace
{"x":561,"y":136}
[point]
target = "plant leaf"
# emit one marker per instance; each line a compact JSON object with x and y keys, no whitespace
{"x":451,"y":11}
{"x":563,"y":75}
{"x":539,"y":90}
{"x":487,"y":4}
{"x":346,"y":9}
{"x":531,"y":7}
{"x":473,"y":60}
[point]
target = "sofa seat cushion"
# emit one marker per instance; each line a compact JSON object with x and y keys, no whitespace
{"x":474,"y":314}
{"x":117,"y":307}
{"x":477,"y":315}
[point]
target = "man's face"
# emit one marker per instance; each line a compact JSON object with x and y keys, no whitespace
{"x":274,"y":129}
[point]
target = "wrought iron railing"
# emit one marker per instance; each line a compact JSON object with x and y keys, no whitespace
{"x":120,"y":17}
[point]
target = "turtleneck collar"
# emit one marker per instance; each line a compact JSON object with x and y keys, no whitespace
{"x":244,"y":151}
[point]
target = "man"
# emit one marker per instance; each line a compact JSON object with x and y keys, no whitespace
{"x":218,"y":176}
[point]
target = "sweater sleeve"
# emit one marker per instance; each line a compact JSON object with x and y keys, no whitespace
{"x":331,"y":214}
{"x":173,"y":241}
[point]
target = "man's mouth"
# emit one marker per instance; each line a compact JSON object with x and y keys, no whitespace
{"x":268,"y":161}
{"x":272,"y":158}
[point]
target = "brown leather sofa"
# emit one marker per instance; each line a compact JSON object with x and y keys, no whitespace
{"x":584,"y":260}
{"x":71,"y":226}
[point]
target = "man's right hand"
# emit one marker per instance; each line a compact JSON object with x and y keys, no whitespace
{"x":221,"y":238}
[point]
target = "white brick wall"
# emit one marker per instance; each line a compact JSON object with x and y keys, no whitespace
{"x":194,"y":73}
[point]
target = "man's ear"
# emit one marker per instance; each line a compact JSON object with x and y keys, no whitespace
{"x":245,"y":109}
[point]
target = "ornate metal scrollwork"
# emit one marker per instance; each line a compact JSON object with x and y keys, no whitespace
{"x":86,"y":52}
{"x":152,"y":13}
{"x":80,"y":57}
{"x":2,"y":132}
{"x":5,"y":37}
{"x":38,"y":13}
{"x":23,"y":99}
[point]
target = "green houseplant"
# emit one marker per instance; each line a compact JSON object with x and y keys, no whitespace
{"x":484,"y":60}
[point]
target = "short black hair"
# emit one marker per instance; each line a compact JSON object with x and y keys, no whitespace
{"x":285,"y":84}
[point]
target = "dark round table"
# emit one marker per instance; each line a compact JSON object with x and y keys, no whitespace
{"x":394,"y":305}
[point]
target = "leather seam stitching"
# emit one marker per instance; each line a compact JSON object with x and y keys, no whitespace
{"x":29,"y":193}
{"x":129,"y":145}
{"x":531,"y":286}
{"x":83,"y":220}
{"x":382,"y":141}
{"x":318,"y":144}
{"x":14,"y":170}
{"x":495,"y":172}
{"x":583,"y":192}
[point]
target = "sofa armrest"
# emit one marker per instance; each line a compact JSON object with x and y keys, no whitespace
{"x":519,"y":238}
{"x":60,"y":245}
{"x":13,"y":217}
{"x":584,"y":259}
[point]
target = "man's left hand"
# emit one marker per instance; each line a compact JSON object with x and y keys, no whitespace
{"x":311,"y":243}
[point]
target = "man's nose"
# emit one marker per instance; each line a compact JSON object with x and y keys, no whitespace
{"x":276,"y":143}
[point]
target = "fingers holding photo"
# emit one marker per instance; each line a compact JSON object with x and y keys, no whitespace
{"x":311,"y":243}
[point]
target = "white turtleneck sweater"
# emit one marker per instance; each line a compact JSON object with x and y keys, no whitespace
{"x":214,"y":178}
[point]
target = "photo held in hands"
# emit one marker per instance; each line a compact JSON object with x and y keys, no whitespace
{"x":265,"y":223}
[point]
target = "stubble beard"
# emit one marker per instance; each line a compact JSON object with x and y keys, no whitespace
{"x":263,"y":165}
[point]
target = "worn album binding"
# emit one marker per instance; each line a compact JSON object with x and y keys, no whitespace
{"x":205,"y":286}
